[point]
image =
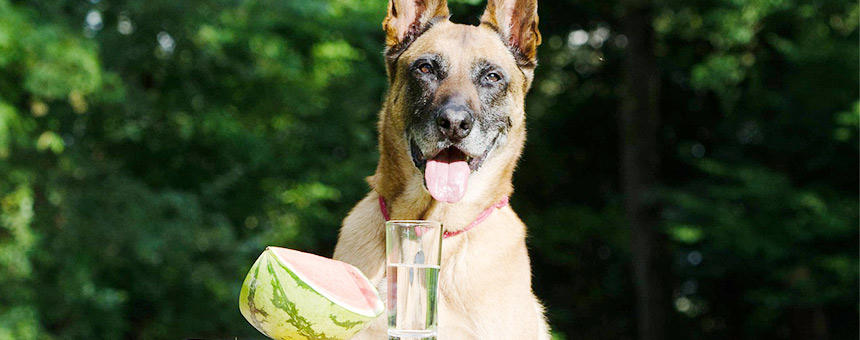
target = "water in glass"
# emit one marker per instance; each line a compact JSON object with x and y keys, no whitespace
{"x":412,"y":301}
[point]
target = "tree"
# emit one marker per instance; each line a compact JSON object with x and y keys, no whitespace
{"x":639,"y":118}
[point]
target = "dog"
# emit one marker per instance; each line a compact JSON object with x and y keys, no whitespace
{"x":451,"y":130}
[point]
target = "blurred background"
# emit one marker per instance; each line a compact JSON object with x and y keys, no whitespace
{"x":693,"y":160}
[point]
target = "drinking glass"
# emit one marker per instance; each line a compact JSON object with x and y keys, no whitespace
{"x":412,"y":249}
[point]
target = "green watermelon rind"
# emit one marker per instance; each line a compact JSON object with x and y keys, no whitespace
{"x":272,"y":297}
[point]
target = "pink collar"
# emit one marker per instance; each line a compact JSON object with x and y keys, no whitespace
{"x":481,"y":217}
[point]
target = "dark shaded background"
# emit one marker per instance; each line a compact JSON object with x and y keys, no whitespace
{"x":149,"y":150}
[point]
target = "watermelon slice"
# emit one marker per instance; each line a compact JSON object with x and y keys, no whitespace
{"x":289,"y":294}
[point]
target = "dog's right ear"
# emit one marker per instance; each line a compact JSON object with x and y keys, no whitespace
{"x":517,"y":24}
{"x":407,"y":19}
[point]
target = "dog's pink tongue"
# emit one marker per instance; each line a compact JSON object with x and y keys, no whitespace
{"x":446,"y":179}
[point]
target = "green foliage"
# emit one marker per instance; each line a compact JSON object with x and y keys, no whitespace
{"x":149,"y":164}
{"x":17,"y":242}
{"x":758,"y":160}
{"x":784,"y":246}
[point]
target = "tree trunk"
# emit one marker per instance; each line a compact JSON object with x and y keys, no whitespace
{"x":808,"y":323}
{"x":638,"y":122}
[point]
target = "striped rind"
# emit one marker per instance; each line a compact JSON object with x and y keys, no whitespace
{"x":278,"y":303}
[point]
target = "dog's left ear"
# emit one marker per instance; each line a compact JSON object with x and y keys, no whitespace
{"x":517,"y":23}
{"x":407,"y":19}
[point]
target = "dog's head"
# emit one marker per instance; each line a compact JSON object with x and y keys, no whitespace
{"x":455,"y":103}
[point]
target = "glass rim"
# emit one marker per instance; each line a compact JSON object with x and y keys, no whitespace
{"x":413,"y":223}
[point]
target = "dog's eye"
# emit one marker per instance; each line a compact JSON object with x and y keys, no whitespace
{"x":425,"y":68}
{"x":492,"y":77}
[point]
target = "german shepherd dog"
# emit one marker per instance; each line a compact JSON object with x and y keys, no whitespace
{"x":450,"y":133}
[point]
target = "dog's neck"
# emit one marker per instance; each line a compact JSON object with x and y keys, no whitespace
{"x":453,"y":216}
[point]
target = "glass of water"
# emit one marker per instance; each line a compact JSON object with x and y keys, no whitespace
{"x":412,"y":249}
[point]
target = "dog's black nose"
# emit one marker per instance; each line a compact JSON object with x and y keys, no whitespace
{"x":455,"y":121}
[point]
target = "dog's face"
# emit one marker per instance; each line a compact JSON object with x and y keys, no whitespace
{"x":461,"y":87}
{"x":456,"y":96}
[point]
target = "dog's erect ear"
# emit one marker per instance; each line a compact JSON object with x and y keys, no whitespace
{"x":407,"y":19}
{"x":517,"y":23}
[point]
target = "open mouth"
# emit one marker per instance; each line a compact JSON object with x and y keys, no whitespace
{"x":446,"y":172}
{"x":449,"y":153}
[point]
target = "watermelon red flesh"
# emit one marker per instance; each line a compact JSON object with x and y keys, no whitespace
{"x":327,"y":277}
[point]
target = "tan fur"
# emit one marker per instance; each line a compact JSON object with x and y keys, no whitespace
{"x":485,"y":278}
